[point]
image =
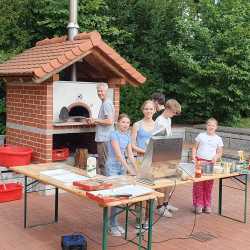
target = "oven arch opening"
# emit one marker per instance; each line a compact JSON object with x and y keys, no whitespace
{"x":79,"y":110}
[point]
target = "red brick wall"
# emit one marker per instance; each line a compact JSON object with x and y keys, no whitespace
{"x":117,"y":100}
{"x":115,"y":84}
{"x":41,"y":144}
{"x":30,"y":105}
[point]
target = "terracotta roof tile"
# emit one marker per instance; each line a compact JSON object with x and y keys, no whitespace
{"x":125,"y":65}
{"x":95,"y":38}
{"x":49,"y":56}
{"x":55,"y":63}
{"x":76,"y":51}
{"x":70,"y":55}
{"x":62,"y":59}
{"x":141,"y":79}
{"x":85,"y":46}
{"x":39,"y":72}
{"x":81,"y":36}
{"x":51,"y":41}
{"x":47,"y":68}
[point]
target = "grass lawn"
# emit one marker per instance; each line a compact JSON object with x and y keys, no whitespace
{"x":243,"y":123}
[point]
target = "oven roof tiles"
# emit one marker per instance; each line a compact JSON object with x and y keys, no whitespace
{"x":50,"y":56}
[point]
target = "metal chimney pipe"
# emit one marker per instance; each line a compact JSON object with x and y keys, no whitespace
{"x":73,"y":28}
{"x":73,"y":25}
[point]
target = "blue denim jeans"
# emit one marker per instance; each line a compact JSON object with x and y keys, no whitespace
{"x":114,"y":167}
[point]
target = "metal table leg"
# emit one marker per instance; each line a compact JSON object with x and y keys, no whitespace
{"x":245,"y":189}
{"x":126,"y":222}
{"x":220,"y":196}
{"x":105,"y":228}
{"x":150,"y":223}
{"x":139,"y":221}
{"x":25,"y":201}
{"x":56,"y":204}
{"x":27,"y":187}
{"x":245,"y":206}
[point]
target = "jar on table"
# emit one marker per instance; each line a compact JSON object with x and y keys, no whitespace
{"x":198,"y":170}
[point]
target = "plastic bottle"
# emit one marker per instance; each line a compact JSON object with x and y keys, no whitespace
{"x":91,"y":166}
{"x":198,"y":169}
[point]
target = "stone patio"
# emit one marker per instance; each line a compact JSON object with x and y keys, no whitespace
{"x":76,"y":215}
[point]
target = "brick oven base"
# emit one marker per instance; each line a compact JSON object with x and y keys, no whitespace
{"x":74,"y":141}
{"x":41,"y":144}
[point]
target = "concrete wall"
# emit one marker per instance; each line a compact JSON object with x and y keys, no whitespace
{"x":232,"y":140}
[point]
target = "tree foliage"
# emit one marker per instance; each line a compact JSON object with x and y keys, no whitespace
{"x":195,"y":51}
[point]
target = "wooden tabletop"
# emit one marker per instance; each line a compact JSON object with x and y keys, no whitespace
{"x":170,"y":182}
{"x":34,"y":171}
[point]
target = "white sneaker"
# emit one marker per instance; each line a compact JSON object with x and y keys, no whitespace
{"x":172,"y":208}
{"x":194,"y":209}
{"x":167,"y":214}
{"x":199,"y":210}
{"x":145,"y":225}
{"x":163,"y":211}
{"x":114,"y":231}
{"x":208,"y":210}
{"x":121,"y":229}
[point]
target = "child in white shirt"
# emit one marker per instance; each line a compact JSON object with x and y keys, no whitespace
{"x":208,"y":148}
{"x":172,"y":108}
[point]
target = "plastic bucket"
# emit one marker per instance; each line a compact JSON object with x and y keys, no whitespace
{"x":15,"y":156}
{"x":10,"y":192}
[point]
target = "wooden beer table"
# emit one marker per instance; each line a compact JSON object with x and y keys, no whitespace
{"x":33,"y":171}
{"x":238,"y":177}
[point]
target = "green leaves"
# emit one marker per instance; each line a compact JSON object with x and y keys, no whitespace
{"x":196,"y":52}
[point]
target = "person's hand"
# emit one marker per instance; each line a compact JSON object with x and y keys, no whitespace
{"x":214,"y":160}
{"x":90,"y":121}
{"x":132,"y":172}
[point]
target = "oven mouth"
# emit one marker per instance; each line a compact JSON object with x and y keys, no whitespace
{"x":79,"y":112}
{"x":74,"y":113}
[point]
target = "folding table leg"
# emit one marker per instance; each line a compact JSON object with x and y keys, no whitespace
{"x":56,"y":204}
{"x":245,"y":200}
{"x":220,"y":197}
{"x":25,"y":200}
{"x":126,"y":222}
{"x":105,"y":228}
{"x":150,"y":223}
{"x":139,"y":221}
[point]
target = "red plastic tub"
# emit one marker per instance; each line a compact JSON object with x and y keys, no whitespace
{"x":10,"y":192}
{"x":15,"y":156}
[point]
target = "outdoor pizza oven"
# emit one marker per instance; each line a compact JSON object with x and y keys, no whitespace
{"x":75,"y":101}
{"x":51,"y":89}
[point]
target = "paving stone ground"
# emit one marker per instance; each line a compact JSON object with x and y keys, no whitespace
{"x":76,"y":215}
